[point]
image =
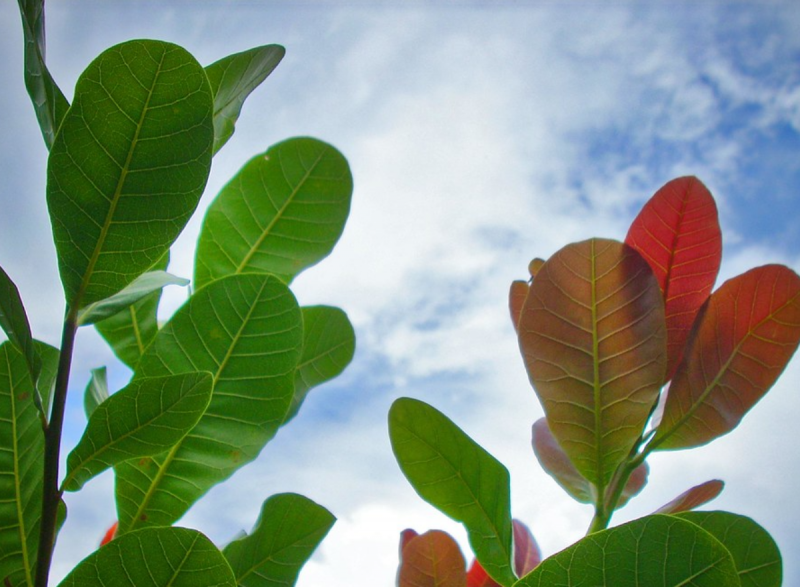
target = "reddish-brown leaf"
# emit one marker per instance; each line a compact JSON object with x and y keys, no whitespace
{"x":432,"y":559}
{"x":593,"y":339}
{"x":516,"y":298}
{"x":477,"y":577}
{"x":693,"y":498}
{"x":110,"y":534}
{"x":527,"y":554}
{"x":678,"y":233}
{"x":744,"y":337}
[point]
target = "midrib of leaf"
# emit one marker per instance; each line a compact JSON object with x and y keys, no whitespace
{"x":701,"y":572}
{"x":183,"y":562}
{"x":271,"y":557}
{"x":162,"y":470}
{"x":672,"y":250}
{"x":598,"y":420}
{"x":279,"y":214}
{"x":136,"y":333}
{"x":117,"y":193}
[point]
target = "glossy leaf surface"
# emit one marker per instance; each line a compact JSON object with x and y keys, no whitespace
{"x":593,"y":339}
{"x":757,"y":558}
{"x":745,"y":337}
{"x":282,"y":212}
{"x":453,"y":473}
{"x":245,"y":330}
{"x":154,"y":557}
{"x":145,"y":418}
{"x":232,"y":79}
{"x":432,"y":559}
{"x":21,"y":468}
{"x":14,"y":322}
{"x":288,"y":531}
{"x":678,"y":233}
{"x":128,"y":165}
{"x":656,"y":550}
{"x":96,"y":391}
{"x":693,"y":498}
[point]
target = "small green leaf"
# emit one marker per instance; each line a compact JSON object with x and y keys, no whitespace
{"x":453,"y":473}
{"x":657,"y":550}
{"x":46,"y":383}
{"x":128,"y":165}
{"x":139,"y":288}
{"x":288,"y":531}
{"x":154,"y":557}
{"x":283,"y":212}
{"x":232,"y":80}
{"x":14,"y":321}
{"x":145,"y":418}
{"x":96,"y":391}
{"x":758,"y":560}
{"x":21,"y":469}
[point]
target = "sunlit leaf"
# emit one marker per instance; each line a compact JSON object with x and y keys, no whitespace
{"x":516,"y":298}
{"x":96,"y":391}
{"x":48,"y":101}
{"x":693,"y":498}
{"x":128,"y":165}
{"x":678,"y":233}
{"x":147,"y":417}
{"x":593,"y":339}
{"x":232,"y":79}
{"x":21,"y":469}
{"x":288,"y":531}
{"x":745,"y":336}
{"x":283,"y":212}
{"x":657,"y":550}
{"x":757,"y":558}
{"x":453,"y":473}
{"x":14,"y":322}
{"x":154,"y":557}
{"x":432,"y":559}
{"x":246,"y":330}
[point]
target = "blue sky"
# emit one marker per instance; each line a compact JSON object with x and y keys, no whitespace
{"x":480,"y":135}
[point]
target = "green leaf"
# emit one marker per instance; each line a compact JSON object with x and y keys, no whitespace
{"x":14,"y":321}
{"x":96,"y":391}
{"x":147,"y":417}
{"x":757,"y":558}
{"x":432,"y":559}
{"x":593,"y":337}
{"x":232,"y":80}
{"x":142,"y":286}
{"x":453,"y":473}
{"x":283,"y":212}
{"x":657,"y":550}
{"x":154,"y":557}
{"x":246,"y":330}
{"x":21,"y":469}
{"x":329,"y":343}
{"x":288,"y":531}
{"x":46,"y":383}
{"x":48,"y":101}
{"x":128,"y":165}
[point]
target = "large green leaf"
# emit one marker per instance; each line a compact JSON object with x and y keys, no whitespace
{"x":128,"y":165}
{"x":21,"y":458}
{"x":154,"y":557}
{"x":14,"y":322}
{"x":288,"y":531}
{"x":147,"y":417}
{"x":757,"y":558}
{"x":453,"y":473}
{"x":432,"y":559}
{"x":656,"y":550}
{"x":232,"y":80}
{"x":743,"y":340}
{"x":282,"y":212}
{"x":329,"y":343}
{"x":48,"y":101}
{"x":246,"y":330}
{"x":593,"y":338}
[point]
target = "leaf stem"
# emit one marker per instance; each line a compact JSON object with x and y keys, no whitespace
{"x":51,"y":495}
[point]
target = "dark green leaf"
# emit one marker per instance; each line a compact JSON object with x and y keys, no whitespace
{"x":96,"y":391}
{"x":147,"y":417}
{"x":128,"y":165}
{"x":288,"y":530}
{"x":283,"y":212}
{"x":21,"y":469}
{"x":47,"y":376}
{"x":247,"y":331}
{"x":14,"y":321}
{"x":154,"y":557}
{"x":656,"y":550}
{"x":232,"y":80}
{"x":453,"y":473}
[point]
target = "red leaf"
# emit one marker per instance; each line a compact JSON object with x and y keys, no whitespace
{"x":678,"y":233}
{"x":516,"y":297}
{"x":693,"y":498}
{"x":477,"y":577}
{"x":744,"y":337}
{"x":109,"y":535}
{"x":405,"y":537}
{"x":432,"y":559}
{"x":526,"y":552}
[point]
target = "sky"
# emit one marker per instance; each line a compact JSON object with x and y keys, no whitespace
{"x":480,"y":135}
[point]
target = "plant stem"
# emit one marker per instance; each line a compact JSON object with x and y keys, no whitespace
{"x":51,"y":495}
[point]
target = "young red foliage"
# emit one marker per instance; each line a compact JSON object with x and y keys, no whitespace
{"x":693,"y":498}
{"x":109,"y":535}
{"x":432,"y":559}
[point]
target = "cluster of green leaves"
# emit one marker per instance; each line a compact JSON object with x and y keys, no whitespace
{"x":129,"y":159}
{"x":629,"y":352}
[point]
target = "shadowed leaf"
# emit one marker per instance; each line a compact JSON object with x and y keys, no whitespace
{"x":14,"y":322}
{"x":527,"y":554}
{"x":693,"y":498}
{"x":432,"y":559}
{"x":96,"y":391}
